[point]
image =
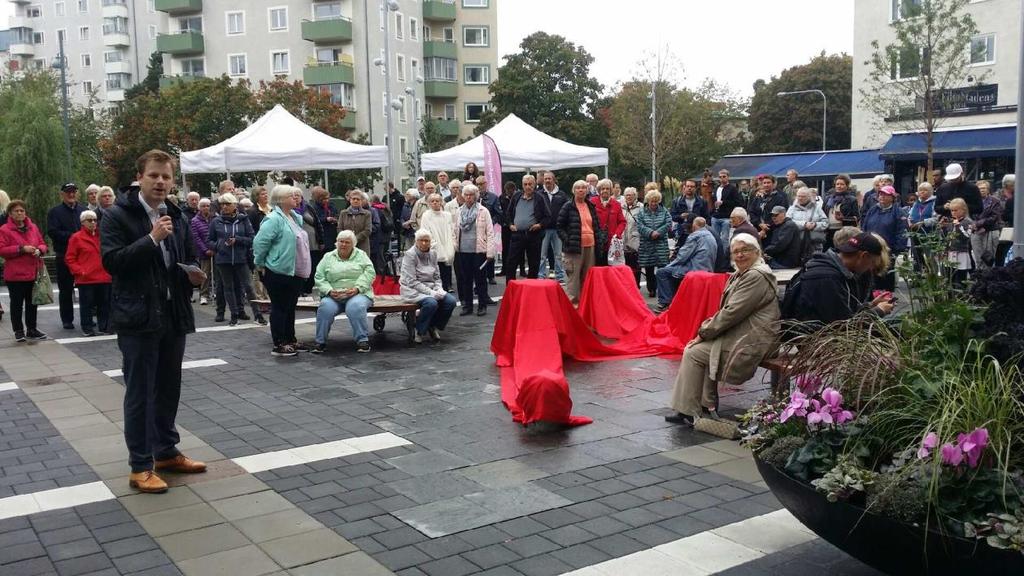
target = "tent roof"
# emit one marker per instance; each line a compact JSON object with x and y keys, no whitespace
{"x":522,"y":147}
{"x":280,"y":141}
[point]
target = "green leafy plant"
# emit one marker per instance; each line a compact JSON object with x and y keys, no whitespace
{"x":1004,"y":531}
{"x":899,"y":496}
{"x":777,"y":453}
{"x":845,"y":479}
{"x":821,"y":451}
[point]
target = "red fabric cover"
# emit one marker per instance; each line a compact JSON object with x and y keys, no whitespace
{"x":18,"y":266}
{"x":610,"y":302}
{"x":537,"y":324}
{"x":384,"y":285}
{"x":83,"y":259}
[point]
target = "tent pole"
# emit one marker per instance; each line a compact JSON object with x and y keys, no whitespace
{"x":605,"y":170}
{"x":327,"y":183}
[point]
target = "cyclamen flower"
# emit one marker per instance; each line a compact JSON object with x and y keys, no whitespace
{"x":807,"y":383}
{"x":797,"y":406}
{"x":927,"y":445}
{"x":952,"y":455}
{"x":822,"y":414}
{"x":973,"y":445}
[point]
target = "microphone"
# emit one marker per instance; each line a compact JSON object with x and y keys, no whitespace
{"x":162,"y":209}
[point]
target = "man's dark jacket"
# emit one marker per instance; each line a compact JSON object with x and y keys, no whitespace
{"x":555,"y":203}
{"x":784,"y":244}
{"x":541,"y":212}
{"x":827,"y":290}
{"x":141,"y":281}
{"x":759,"y":209}
{"x":61,"y":222}
{"x":731,"y":199}
{"x":969,"y":192}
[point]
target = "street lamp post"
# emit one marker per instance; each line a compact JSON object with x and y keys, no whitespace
{"x":824,"y":110}
{"x":388,"y":7}
{"x":411,"y":92}
{"x":68,"y":172}
{"x":1018,"y":205}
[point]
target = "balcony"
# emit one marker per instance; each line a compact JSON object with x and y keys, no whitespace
{"x":22,"y":1}
{"x":349,"y":121}
{"x":185,"y":43}
{"x":327,"y":31}
{"x":117,"y":40}
{"x":438,"y":49}
{"x":19,"y":22}
{"x":23,"y":49}
{"x":115,"y":10}
{"x":328,"y":73}
{"x":119,"y":67}
{"x":175,"y":7}
{"x":439,"y":10}
{"x":169,"y":81}
{"x":115,"y":95}
{"x":446,"y":127}
{"x":440,"y":89}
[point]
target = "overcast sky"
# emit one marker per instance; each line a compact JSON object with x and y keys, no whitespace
{"x":734,"y":41}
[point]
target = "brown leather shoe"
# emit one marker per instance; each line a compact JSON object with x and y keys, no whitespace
{"x":182,"y":464}
{"x":147,"y":482}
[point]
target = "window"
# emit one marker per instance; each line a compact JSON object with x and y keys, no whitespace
{"x":39,"y":63}
{"x":118,"y":81}
{"x":62,"y":36}
{"x":400,"y":67}
{"x":83,"y":6}
{"x":58,"y":8}
{"x":191,"y":24}
{"x":278,"y":18}
{"x":478,"y":36}
{"x":328,"y":55}
{"x":900,"y":9}
{"x":341,"y":94}
{"x":449,"y":112}
{"x":475,"y":111}
{"x":86,"y":60}
{"x":426,"y":32}
{"x":34,"y":11}
{"x":983,"y":49}
{"x":235,"y":23}
{"x":414,"y":29}
{"x":279,"y":62}
{"x":83,"y":33}
{"x":414,"y":66}
{"x":440,"y":69}
{"x":151,"y":6}
{"x":86,"y":88}
{"x":448,"y":34}
{"x":403,"y":110}
{"x":403,"y":147}
{"x":113,"y":56}
{"x":476,"y":73}
{"x":399,"y":26}
{"x":152,"y":31}
{"x":38,"y":38}
{"x":326,"y":10}
{"x":117,"y":25}
{"x":193,"y":67}
{"x":237,"y":65}
{"x":474,"y":3}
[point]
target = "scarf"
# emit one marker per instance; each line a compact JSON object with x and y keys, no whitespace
{"x":467,"y":217}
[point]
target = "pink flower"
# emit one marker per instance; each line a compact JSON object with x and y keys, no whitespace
{"x":952,"y":455}
{"x":843,"y":416}
{"x":808,"y":383}
{"x":973,"y":445}
{"x":927,"y":445}
{"x":832,"y":397}
{"x":797,"y":406}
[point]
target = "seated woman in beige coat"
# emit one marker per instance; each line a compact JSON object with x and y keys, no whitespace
{"x":730,"y":344}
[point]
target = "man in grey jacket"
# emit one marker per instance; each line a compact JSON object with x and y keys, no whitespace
{"x":699,"y":252}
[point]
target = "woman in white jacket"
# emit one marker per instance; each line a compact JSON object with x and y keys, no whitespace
{"x":441,"y":225}
{"x":808,"y":215}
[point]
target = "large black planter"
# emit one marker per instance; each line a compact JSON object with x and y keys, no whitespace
{"x":883,"y":543}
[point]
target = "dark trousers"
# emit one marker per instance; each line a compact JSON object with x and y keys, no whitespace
{"x":66,"y":284}
{"x":524,"y":248}
{"x":489,"y":270}
{"x":315,"y":256}
{"x":238,"y":288}
{"x":633,"y":261}
{"x":284,"y":295}
{"x":471,"y":271}
{"x":652,"y":281}
{"x":601,"y":256}
{"x":152,"y":379}
{"x":21,"y":297}
{"x":506,"y":241}
{"x":446,"y":276}
{"x":94,"y":296}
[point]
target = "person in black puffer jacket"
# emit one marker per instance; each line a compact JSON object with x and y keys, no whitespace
{"x":783,"y":245}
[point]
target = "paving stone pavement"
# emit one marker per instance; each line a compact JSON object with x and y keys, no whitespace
{"x":473,"y":493}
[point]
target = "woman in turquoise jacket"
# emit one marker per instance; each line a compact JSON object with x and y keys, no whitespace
{"x":281,"y":253}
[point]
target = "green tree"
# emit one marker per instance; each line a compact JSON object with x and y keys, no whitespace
{"x":87,"y":130}
{"x":307,"y":104}
{"x":151,"y":83}
{"x":909,"y":77}
{"x":32,"y":158}
{"x":793,"y":123}
{"x":548,"y":84}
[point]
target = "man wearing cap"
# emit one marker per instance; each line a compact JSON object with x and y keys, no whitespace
{"x":698,"y":252}
{"x":783,"y":248}
{"x":62,"y":221}
{"x":826,"y":290}
{"x":956,"y":187}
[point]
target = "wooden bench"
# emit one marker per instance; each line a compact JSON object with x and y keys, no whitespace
{"x":779,"y":367}
{"x":383,"y":306}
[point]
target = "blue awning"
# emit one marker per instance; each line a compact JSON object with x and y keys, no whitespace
{"x":807,"y":164}
{"x":971,"y":143}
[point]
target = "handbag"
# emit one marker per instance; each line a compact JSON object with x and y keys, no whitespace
{"x":616,"y":252}
{"x":42,"y":290}
{"x":384,"y":285}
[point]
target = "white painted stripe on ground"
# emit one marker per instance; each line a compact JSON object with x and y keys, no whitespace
{"x":54,"y":307}
{"x":4,"y":387}
{"x":317,"y":452}
{"x":709,"y":552}
{"x":56,"y":499}
{"x":184,"y":365}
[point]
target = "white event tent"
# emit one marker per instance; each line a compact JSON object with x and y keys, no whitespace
{"x":522,"y":148}
{"x":280,"y":141}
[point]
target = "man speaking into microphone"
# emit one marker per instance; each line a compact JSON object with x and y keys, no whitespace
{"x":147,"y":248}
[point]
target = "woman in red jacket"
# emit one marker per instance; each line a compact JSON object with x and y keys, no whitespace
{"x":93,"y":282}
{"x":22,"y":247}
{"x":609,"y":213}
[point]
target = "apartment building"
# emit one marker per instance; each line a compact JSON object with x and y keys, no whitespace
{"x":443,"y":53}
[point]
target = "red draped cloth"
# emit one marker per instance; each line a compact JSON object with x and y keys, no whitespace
{"x":537,"y":325}
{"x":610,"y":302}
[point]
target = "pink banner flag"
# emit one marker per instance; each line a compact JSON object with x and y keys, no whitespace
{"x":492,"y":165}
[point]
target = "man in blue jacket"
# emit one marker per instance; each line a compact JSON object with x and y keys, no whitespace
{"x":62,"y":221}
{"x":700,"y":252}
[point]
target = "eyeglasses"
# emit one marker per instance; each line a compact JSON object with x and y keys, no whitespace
{"x":89,"y":220}
{"x":742,"y":251}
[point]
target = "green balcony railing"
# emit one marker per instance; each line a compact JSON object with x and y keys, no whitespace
{"x":439,"y":10}
{"x":446,"y":127}
{"x":179,"y":6}
{"x":438,"y":49}
{"x":440,"y":89}
{"x":328,"y":73}
{"x":181,"y":44}
{"x":168,"y":81}
{"x":349,"y":121}
{"x":327,"y":31}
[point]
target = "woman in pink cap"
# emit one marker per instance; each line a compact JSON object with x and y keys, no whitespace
{"x":886,"y":219}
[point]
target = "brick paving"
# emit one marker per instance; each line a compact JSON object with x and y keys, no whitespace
{"x":473,"y":493}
